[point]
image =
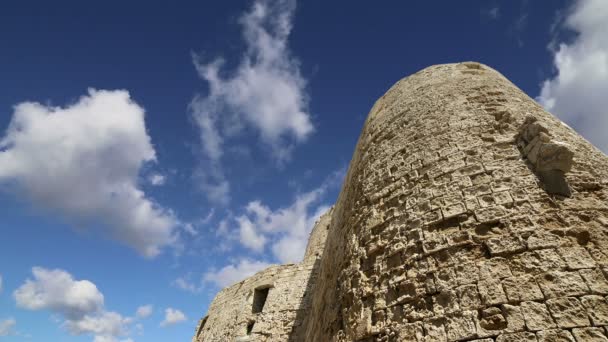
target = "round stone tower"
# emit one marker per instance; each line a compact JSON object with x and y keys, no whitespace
{"x":468,"y":212}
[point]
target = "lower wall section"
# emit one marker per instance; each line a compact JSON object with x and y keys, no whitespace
{"x":269,"y":306}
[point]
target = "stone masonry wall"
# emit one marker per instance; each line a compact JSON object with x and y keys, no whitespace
{"x":232,"y":317}
{"x":468,"y":213}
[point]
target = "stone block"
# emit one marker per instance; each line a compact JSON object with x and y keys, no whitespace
{"x":576,"y":257}
{"x":523,"y":288}
{"x":561,"y":284}
{"x":434,"y":329}
{"x":537,"y":316}
{"x":468,"y":297}
{"x":505,"y":245}
{"x":597,"y":309}
{"x":489,"y":214}
{"x":515,"y":318}
{"x":410,"y":332}
{"x":491,"y":292}
{"x":462,"y":326}
{"x":517,"y":337}
{"x":568,"y":312}
{"x":589,"y":335}
{"x":494,"y":268}
{"x":595,"y":279}
{"x":555,"y":335}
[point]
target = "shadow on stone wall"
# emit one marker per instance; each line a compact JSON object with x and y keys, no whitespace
{"x":303,"y":311}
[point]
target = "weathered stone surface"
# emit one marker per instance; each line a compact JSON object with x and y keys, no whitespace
{"x":556,"y":335}
{"x":242,"y":312}
{"x":468,"y":213}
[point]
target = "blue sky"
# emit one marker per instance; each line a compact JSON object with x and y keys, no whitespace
{"x":151,"y":154}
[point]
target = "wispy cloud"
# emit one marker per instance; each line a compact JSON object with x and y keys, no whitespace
{"x":7,"y":326}
{"x":492,"y":13}
{"x":577,"y":93}
{"x":83,"y":161}
{"x":265,"y":94}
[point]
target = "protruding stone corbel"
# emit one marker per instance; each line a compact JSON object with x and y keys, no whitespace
{"x":550,"y":159}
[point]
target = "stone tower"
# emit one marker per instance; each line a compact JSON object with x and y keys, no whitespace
{"x":468,"y":213}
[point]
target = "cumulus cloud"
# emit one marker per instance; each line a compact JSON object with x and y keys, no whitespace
{"x":266,"y":93}
{"x":57,"y":291}
{"x":83,"y":161}
{"x":576,"y":93}
{"x":231,"y":274}
{"x":7,"y":326}
{"x":79,"y":302}
{"x":144,"y":311}
{"x":292,"y":226}
{"x":172,"y":317}
{"x":286,"y":228}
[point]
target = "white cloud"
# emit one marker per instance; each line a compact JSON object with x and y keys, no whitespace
{"x":172,"y":316}
{"x":231,"y":274}
{"x":78,"y":301}
{"x":577,"y":94}
{"x":83,"y":161}
{"x":144,"y":311}
{"x":289,"y":227}
{"x":266,"y":93}
{"x":157,"y":179}
{"x":185,"y":284}
{"x":105,"y":326}
{"x":7,"y":326}
{"x":56,"y":290}
{"x":0,"y":283}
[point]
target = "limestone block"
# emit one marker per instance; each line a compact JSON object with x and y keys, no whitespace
{"x":576,"y":257}
{"x":515,"y":318}
{"x":537,"y":316}
{"x":505,"y":245}
{"x":411,"y":332}
{"x":597,"y":309}
{"x":589,"y":335}
{"x":554,"y":156}
{"x":491,"y":292}
{"x":517,"y":337}
{"x":594,"y":278}
{"x":461,"y":326}
{"x":468,"y":297}
{"x":522,"y":288}
{"x":556,"y":335}
{"x":561,"y":284}
{"x":568,"y":312}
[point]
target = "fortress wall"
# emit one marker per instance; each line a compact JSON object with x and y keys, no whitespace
{"x":232,"y":317}
{"x":468,"y":213}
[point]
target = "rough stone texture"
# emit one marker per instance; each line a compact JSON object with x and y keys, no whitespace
{"x":231,"y":315}
{"x":468,"y":214}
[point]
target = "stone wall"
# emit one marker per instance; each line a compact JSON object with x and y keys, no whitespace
{"x":468,"y":213}
{"x":269,"y":306}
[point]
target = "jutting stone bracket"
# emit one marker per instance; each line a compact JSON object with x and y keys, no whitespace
{"x":549,"y":159}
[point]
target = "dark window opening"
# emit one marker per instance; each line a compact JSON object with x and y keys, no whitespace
{"x":250,"y":327}
{"x":259,"y":299}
